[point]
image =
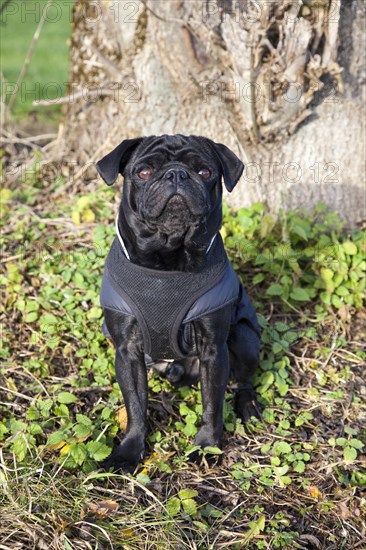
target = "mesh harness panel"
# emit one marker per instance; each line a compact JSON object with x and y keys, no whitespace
{"x":160,"y":299}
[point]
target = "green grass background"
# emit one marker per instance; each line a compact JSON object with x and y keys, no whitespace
{"x":47,"y":73}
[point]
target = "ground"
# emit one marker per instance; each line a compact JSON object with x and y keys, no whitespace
{"x":294,"y":479}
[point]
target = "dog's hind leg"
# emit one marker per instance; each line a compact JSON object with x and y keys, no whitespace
{"x":244,"y":346}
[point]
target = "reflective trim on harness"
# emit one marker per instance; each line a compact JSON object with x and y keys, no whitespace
{"x":125,"y":249}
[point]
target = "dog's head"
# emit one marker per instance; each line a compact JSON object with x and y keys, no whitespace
{"x":172,"y":182}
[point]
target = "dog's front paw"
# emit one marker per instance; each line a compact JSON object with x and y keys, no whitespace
{"x":246,"y":405}
{"x":125,"y":457}
{"x":210,"y":445}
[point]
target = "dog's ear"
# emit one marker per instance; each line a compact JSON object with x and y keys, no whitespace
{"x":114,"y":163}
{"x":232,"y":167}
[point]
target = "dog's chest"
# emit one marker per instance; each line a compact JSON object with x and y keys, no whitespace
{"x":160,"y":300}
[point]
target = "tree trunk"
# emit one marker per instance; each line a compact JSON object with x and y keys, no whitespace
{"x":281,"y":83}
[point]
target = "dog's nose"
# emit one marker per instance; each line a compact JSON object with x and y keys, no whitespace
{"x":176,"y":175}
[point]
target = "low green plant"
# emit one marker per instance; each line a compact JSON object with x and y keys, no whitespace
{"x":60,"y":404}
{"x":303,"y":259}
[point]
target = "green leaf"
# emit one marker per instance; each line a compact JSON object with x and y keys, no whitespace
{"x":189,"y":506}
{"x":283,"y":389}
{"x":277,"y":347}
{"x":325,"y":296}
{"x":267,"y":224}
{"x":82,"y":419}
{"x":281,"y":447}
{"x":300,"y":231}
{"x":299,"y":467}
{"x":20,"y":304}
{"x":213,"y":450}
{"x":341,"y":441}
{"x":106,"y":413}
{"x":31,"y":317}
{"x":94,"y":313}
{"x":66,"y":398}
{"x":97,"y":450}
{"x":274,"y":290}
{"x":349,"y":454}
{"x":350,"y":431}
{"x":3,"y":431}
{"x":358,"y":479}
{"x":35,"y":429}
{"x":33,"y":413}
{"x":20,"y":447}
{"x":290,"y":336}
{"x":327,"y":274}
{"x":350,"y":248}
{"x":143,"y":478}
{"x":55,"y":438}
{"x":356,"y":443}
{"x":189,"y":429}
{"x":81,"y":431}
{"x":258,"y":278}
{"x":184,"y":410}
{"x":265,"y":448}
{"x":285,"y":480}
{"x":45,"y":406}
{"x":300,"y":295}
{"x":336,"y":302}
{"x":17,"y":426}
{"x":266,"y":380}
{"x":281,"y":327}
{"x":268,"y":415}
{"x":32,"y":306}
{"x":78,"y":452}
{"x":62,"y":411}
{"x":173,"y":506}
{"x":187,"y":493}
{"x":255,"y":528}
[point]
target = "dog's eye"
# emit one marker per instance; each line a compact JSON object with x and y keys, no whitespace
{"x":145,"y":174}
{"x":204,"y":173}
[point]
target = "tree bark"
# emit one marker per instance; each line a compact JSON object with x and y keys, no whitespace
{"x":280,"y":83}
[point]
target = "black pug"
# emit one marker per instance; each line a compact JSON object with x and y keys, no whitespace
{"x":171,"y":298}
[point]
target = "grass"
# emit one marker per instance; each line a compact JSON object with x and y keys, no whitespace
{"x":47,"y":74}
{"x":295,"y":479}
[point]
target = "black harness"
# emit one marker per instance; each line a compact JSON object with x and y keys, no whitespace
{"x":164,"y":302}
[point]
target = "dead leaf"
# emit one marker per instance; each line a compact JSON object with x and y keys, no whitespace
{"x":127,"y":533}
{"x":122,"y":418}
{"x":343,"y":510}
{"x":344,"y":313}
{"x":56,"y":446}
{"x":314,"y":491}
{"x":313,"y":540}
{"x":81,"y":439}
{"x":102,"y":508}
{"x":65,"y":449}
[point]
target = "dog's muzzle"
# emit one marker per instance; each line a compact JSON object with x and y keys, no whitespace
{"x":176,"y":188}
